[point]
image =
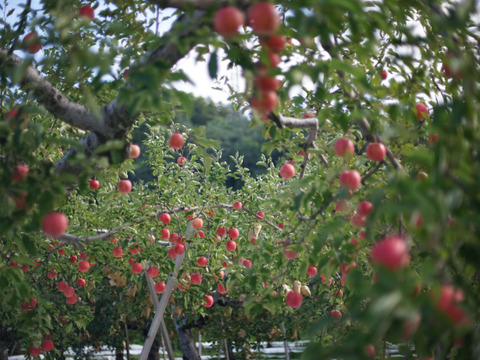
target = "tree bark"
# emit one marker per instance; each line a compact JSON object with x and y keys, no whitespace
{"x":187,"y":343}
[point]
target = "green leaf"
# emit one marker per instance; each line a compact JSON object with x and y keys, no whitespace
{"x":213,"y":65}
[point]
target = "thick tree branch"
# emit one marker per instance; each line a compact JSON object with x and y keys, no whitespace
{"x":79,"y":241}
{"x":46,"y":94}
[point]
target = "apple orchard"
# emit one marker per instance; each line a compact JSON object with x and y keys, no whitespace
{"x":362,"y":236}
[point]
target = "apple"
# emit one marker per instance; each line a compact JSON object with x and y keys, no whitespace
{"x":21,"y":202}
{"x":69,"y":291}
{"x":61,"y":286}
{"x":208,"y":301}
{"x":227,"y":20}
{"x":32,"y":42}
{"x":264,"y":102}
{"x":181,"y":160}
{"x":260,"y":214}
{"x":247,"y":263}
{"x":364,"y":208}
{"x":294,"y":299}
{"x":73,"y":259}
{"x":342,"y":206}
{"x":165,"y":234}
{"x":287,"y":171}
{"x":422,"y":110}
{"x":83,"y":255}
{"x":233,"y":233}
{"x":55,"y":224}
{"x":231,"y":245}
{"x":354,"y":241}
{"x":338,"y":293}
{"x":422,"y":175}
{"x":344,"y":147}
{"x":211,"y":212}
{"x":336,"y":315}
{"x":190,"y":214}
{"x":275,"y":43}
{"x":84,"y":265}
{"x":200,"y":234}
{"x":376,"y":151}
{"x":312,"y":270}
{"x":179,"y":249}
{"x":266,"y":83}
{"x":81,"y":282}
{"x":237,"y":205}
{"x":117,"y":252}
{"x":370,"y":351}
{"x":289,"y":253}
{"x":196,"y":279}
{"x":197,"y":223}
{"x":86,"y":12}
{"x":94,"y":184}
{"x":221,"y":289}
{"x":152,"y":271}
{"x":52,"y":274}
{"x":133,"y":151}
{"x":350,"y":179}
{"x":72,"y":299}
{"x":280,"y":225}
{"x":124,"y":186}
{"x":20,"y":172}
{"x":391,"y":253}
{"x":447,"y":303}
{"x":384,"y":74}
{"x":202,"y":261}
{"x":34,"y":350}
{"x":174,"y":238}
{"x":176,"y":141}
{"x":160,"y":287}
{"x":263,"y":18}
{"x":33,"y":303}
{"x":137,"y":268}
{"x":273,"y":60}
{"x":164,"y":218}
{"x":47,"y":345}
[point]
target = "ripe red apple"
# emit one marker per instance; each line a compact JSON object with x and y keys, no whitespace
{"x":354,"y":241}
{"x":94,"y":184}
{"x":344,"y":147}
{"x":263,"y":18}
{"x":160,"y":287}
{"x":231,"y":245}
{"x":273,"y":59}
{"x":265,"y":102}
{"x":384,"y":74}
{"x":86,"y":12}
{"x":275,"y":43}
{"x":391,"y":253}
{"x":20,"y":172}
{"x":176,"y":141}
{"x":152,"y":271}
{"x":81,"y":282}
{"x":200,"y":234}
{"x":34,"y":350}
{"x":196,"y":279}
{"x":202,"y":261}
{"x":61,"y":285}
{"x":350,"y":179}
{"x":181,"y":160}
{"x":260,"y":214}
{"x":165,"y":234}
{"x":221,"y":289}
{"x":73,"y":259}
{"x":289,"y":253}
{"x":55,"y":224}
{"x":312,"y":270}
{"x":294,"y":299}
{"x":364,"y":208}
{"x":287,"y":171}
{"x":117,"y":252}
{"x":358,"y":220}
{"x":179,"y":249}
{"x":227,"y":21}
{"x":237,"y":205}
{"x":208,"y":301}
{"x":342,"y":205}
{"x":133,"y":151}
{"x":52,"y":274}
{"x":68,"y":291}
{"x":370,"y":351}
{"x":47,"y":345}
{"x":336,"y":315}
{"x":33,"y":303}
{"x":447,"y":303}
{"x":247,"y":263}
{"x":164,"y":218}
{"x":72,"y":299}
{"x":376,"y":151}
{"x":84,"y":265}
{"x":197,"y":223}
{"x":422,"y":110}
{"x":266,"y":83}
{"x":21,"y":202}
{"x":31,"y":41}
{"x":124,"y":186}
{"x":233,"y":233}
{"x":137,"y":268}
{"x":221,"y":231}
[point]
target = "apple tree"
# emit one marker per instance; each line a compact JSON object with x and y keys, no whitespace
{"x":361,"y":238}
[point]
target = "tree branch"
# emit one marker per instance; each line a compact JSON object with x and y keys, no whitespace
{"x":79,"y":241}
{"x":199,"y":4}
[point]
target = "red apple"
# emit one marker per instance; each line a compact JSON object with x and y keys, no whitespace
{"x":342,"y":205}
{"x":152,"y":271}
{"x":384,"y":74}
{"x":227,"y":21}
{"x":124,"y":186}
{"x":447,"y":303}
{"x":260,"y":214}
{"x":376,"y":151}
{"x":208,"y":301}
{"x":94,"y":184}
{"x":231,"y":245}
{"x":336,"y":315}
{"x":200,"y":234}
{"x":391,"y":253}
{"x":84,"y":265}
{"x":197,"y":223}
{"x":287,"y":171}
{"x":179,"y":249}
{"x":265,"y":102}
{"x":312,"y":270}
{"x":160,"y":287}
{"x":165,"y":234}
{"x":117,"y":252}
{"x":294,"y":299}
{"x":176,"y":141}
{"x":221,"y":289}
{"x":86,"y":12}
{"x":61,"y":285}
{"x":181,"y":160}
{"x":164,"y":218}
{"x":34,"y":351}
{"x":422,"y":110}
{"x":202,"y":261}
{"x":354,"y":241}
{"x":20,"y":172}
{"x":233,"y":233}
{"x":137,"y":268}
{"x":266,"y":83}
{"x":73,"y":259}
{"x":289,"y":253}
{"x":55,"y":224}
{"x":72,"y":299}
{"x":69,"y":291}
{"x":350,"y":179}
{"x":133,"y":151}
{"x":21,"y":202}
{"x":47,"y":345}
{"x":196,"y":279}
{"x":275,"y":43}
{"x":81,"y":282}
{"x":364,"y":208}
{"x":263,"y":18}
{"x":52,"y":274}
{"x":273,"y":60}
{"x":221,"y":231}
{"x":344,"y":147}
{"x":237,"y":205}
{"x":370,"y":351}
{"x":32,"y":42}
{"x":247,"y":263}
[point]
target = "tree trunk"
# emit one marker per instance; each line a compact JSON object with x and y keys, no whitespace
{"x":119,"y":354}
{"x":187,"y":342}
